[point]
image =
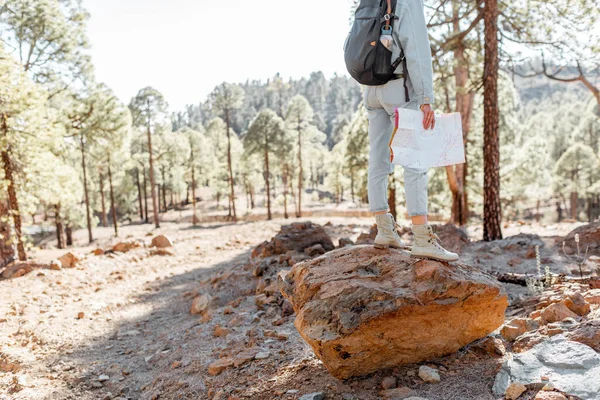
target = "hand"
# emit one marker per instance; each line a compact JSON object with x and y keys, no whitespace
{"x":428,"y":116}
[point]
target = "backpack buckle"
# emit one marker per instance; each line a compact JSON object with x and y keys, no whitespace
{"x":387,"y":17}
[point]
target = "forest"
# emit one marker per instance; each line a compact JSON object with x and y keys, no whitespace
{"x":74,"y":156}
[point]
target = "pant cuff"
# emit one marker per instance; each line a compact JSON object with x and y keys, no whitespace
{"x":416,"y":214}
{"x":379,"y":209}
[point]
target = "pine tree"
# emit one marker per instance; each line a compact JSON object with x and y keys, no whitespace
{"x":266,"y":136}
{"x":225,"y":100}
{"x":299,"y":119}
{"x":21,"y":114}
{"x":149,"y":111}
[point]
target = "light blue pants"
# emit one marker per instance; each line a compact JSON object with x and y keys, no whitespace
{"x":380,"y":102}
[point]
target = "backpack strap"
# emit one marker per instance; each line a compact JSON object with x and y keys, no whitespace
{"x":389,"y":15}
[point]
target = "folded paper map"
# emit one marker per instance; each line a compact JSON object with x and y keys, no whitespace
{"x":413,"y":146}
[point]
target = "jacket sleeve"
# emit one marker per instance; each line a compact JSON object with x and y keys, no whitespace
{"x":412,"y":34}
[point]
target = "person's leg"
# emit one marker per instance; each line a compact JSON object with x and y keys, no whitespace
{"x":426,"y":243}
{"x":380,"y":167}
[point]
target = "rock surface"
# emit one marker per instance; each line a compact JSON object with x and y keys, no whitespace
{"x":294,"y":237}
{"x":362,"y":309}
{"x":572,"y":367}
{"x":589,"y":236}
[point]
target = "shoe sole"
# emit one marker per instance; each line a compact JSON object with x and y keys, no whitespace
{"x":433,"y":258}
{"x":387,"y":246}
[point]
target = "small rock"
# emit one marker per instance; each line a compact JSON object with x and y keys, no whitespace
{"x":346,"y":242}
{"x":96,"y":385}
{"x":429,"y":374}
{"x":395,"y":394}
{"x":176,"y":364}
{"x":219,"y":366}
{"x":389,"y":382}
{"x":313,"y":396}
{"x":576,"y":303}
{"x":98,"y":252}
{"x":496,"y":250}
{"x":103,"y":378}
{"x":549,"y":387}
{"x":219,"y":331}
{"x":70,"y":260}
{"x":200,"y":304}
{"x":124,"y":247}
{"x":262,"y":355}
{"x":557,"y":312}
{"x":315,"y":250}
{"x":56,"y":265}
{"x":515,"y":390}
{"x":80,"y":315}
{"x":542,"y":395}
{"x":161,"y":241}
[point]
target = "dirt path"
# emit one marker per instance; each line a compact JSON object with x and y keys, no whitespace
{"x":119,"y":327}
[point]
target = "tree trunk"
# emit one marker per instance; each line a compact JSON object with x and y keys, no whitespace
{"x":352,"y":184}
{"x":267,"y":183}
{"x":13,"y":203}
{"x":559,"y":211}
{"x":69,"y":234}
{"x":147,"y":220}
{"x":284,"y":178}
{"x":457,"y":175}
{"x":491,"y":145}
{"x":252,"y":196}
{"x":113,"y":205}
{"x":152,"y":181}
{"x":139,"y":188}
{"x":229,"y":166}
{"x":7,"y":251}
{"x":392,"y":196}
{"x":194,"y":218}
{"x":102,"y":202}
{"x":85,"y":190}
{"x":60,"y":231}
{"x":300,"y":172}
{"x":573,"y":200}
{"x":537,"y":211}
{"x":164,"y":190}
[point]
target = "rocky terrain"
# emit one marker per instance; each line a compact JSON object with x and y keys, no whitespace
{"x":198,"y":313}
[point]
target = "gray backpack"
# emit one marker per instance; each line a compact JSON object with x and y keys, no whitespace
{"x":368,"y":60}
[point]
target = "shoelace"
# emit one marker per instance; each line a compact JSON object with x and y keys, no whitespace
{"x":436,"y":239}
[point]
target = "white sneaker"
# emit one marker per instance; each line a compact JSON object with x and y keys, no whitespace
{"x":427,"y":244}
{"x":387,"y":235}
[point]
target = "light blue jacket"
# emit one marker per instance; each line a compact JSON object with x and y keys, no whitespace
{"x":410,"y":30}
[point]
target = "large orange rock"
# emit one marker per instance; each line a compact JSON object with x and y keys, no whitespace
{"x":362,"y":309}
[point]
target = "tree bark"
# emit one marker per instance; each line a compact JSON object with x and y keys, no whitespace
{"x":229,"y":166}
{"x":13,"y":203}
{"x":457,"y":175}
{"x":7,"y":251}
{"x":103,"y":202}
{"x":267,"y":183}
{"x":139,"y":188}
{"x":164,"y":189}
{"x":392,"y":196}
{"x":60,"y":230}
{"x":573,"y":201}
{"x":113,"y":205}
{"x":145,"y":195}
{"x":491,"y":144}
{"x":284,"y":178}
{"x":69,"y":234}
{"x":300,"y":172}
{"x":152,"y":181}
{"x":85,"y":190}
{"x":194,"y":218}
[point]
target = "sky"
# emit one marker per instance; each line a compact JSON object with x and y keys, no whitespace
{"x":184,"y":48}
